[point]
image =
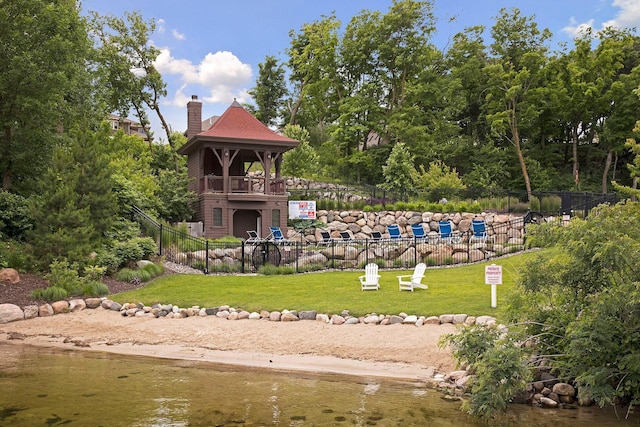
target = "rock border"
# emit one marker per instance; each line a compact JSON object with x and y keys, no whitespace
{"x":546,"y":392}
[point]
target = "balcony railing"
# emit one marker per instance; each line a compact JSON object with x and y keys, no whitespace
{"x":241,"y":184}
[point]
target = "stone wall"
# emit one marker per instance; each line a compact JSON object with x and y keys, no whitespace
{"x":501,"y":228}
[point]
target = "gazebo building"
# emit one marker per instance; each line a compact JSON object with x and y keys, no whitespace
{"x":231,"y":200}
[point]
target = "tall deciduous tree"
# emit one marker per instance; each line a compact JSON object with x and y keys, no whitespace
{"x":43,"y":46}
{"x":314,"y":71}
{"x":385,"y":58}
{"x":303,"y":159}
{"x":127,"y":70}
{"x":519,"y":54}
{"x":269,"y":91}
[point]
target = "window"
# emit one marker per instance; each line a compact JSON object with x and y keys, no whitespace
{"x":217,"y":217}
{"x":275,"y":217}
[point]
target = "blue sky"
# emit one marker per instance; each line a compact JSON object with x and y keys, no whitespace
{"x":212,"y":48}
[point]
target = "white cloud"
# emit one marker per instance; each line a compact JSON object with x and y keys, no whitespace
{"x":177,"y":35}
{"x":628,"y":16}
{"x":574,"y":29}
{"x":160,"y":26}
{"x":222,"y":75}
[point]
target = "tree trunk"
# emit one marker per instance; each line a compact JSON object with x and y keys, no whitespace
{"x":574,"y":138}
{"x":167,"y":129}
{"x":5,"y":160}
{"x":515,"y":132}
{"x":605,"y":173}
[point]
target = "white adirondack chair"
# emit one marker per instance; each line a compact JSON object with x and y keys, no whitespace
{"x":411,"y":281}
{"x":371,"y":278}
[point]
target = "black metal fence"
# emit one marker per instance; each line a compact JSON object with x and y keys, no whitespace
{"x":303,"y":254}
{"x":490,"y":199}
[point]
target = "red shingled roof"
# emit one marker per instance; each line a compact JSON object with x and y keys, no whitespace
{"x":238,"y":123}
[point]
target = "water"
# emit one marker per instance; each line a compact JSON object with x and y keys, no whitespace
{"x":48,"y":387}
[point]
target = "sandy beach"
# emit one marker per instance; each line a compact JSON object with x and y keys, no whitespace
{"x":392,"y":351}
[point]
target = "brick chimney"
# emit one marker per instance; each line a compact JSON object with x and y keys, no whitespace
{"x":194,"y":117}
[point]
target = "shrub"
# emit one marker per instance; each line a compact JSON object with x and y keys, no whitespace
{"x":16,"y":255}
{"x":95,"y":289}
{"x":143,"y":274}
{"x":154,"y":269}
{"x":50,"y":293}
{"x":147,"y":245}
{"x":126,"y":252}
{"x":108,"y":260}
{"x":65,"y":276}
{"x":126,"y":275}
{"x":93,"y":273}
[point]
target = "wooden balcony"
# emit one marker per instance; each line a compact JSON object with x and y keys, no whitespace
{"x":242,"y":185}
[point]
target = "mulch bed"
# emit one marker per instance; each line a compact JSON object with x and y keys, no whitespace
{"x":20,"y":293}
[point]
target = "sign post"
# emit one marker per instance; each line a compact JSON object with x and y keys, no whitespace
{"x":493,"y":277}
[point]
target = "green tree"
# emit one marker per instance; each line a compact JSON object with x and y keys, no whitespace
{"x":44,"y":48}
{"x":386,"y":65}
{"x":581,"y":295}
{"x":439,"y":175}
{"x":634,"y":168}
{"x":302,"y":160}
{"x":76,"y":206}
{"x":314,"y":72}
{"x":519,"y":55}
{"x":399,"y":171}
{"x":126,"y":70}
{"x":270,"y":91}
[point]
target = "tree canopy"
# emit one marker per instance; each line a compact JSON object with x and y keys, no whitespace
{"x":510,"y":111}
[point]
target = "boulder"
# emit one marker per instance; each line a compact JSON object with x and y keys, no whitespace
{"x":60,"y":307}
{"x":9,"y":276}
{"x":564,"y":389}
{"x":10,"y":313}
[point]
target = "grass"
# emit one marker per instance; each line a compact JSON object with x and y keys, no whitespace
{"x":452,"y":290}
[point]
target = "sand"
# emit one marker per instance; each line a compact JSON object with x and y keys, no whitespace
{"x":393,"y":351}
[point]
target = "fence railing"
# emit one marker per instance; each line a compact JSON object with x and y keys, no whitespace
{"x":498,"y":200}
{"x":301,"y":255}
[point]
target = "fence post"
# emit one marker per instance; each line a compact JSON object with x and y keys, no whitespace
{"x":586,"y":204}
{"x":206,"y":257}
{"x":242,"y":255}
{"x":160,"y":240}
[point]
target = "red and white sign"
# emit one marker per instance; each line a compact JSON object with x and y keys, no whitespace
{"x":493,"y":274}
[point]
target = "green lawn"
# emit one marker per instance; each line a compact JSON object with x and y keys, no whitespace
{"x":451,"y":290}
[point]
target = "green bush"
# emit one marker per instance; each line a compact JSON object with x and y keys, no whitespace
{"x":95,"y":289}
{"x":16,"y":255}
{"x":15,"y":217}
{"x":93,"y":273}
{"x":154,"y":269}
{"x":498,"y":362}
{"x":65,"y":276}
{"x":143,"y":274}
{"x":127,"y":252}
{"x":50,"y":293}
{"x":270,"y":269}
{"x":108,"y":260}
{"x":147,"y":245}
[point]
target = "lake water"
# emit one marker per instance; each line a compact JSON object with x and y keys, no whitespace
{"x":48,"y":387}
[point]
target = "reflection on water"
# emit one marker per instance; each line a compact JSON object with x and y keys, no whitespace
{"x":54,"y":388}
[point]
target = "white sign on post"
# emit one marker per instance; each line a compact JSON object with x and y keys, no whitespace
{"x":305,"y":209}
{"x":493,"y":277}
